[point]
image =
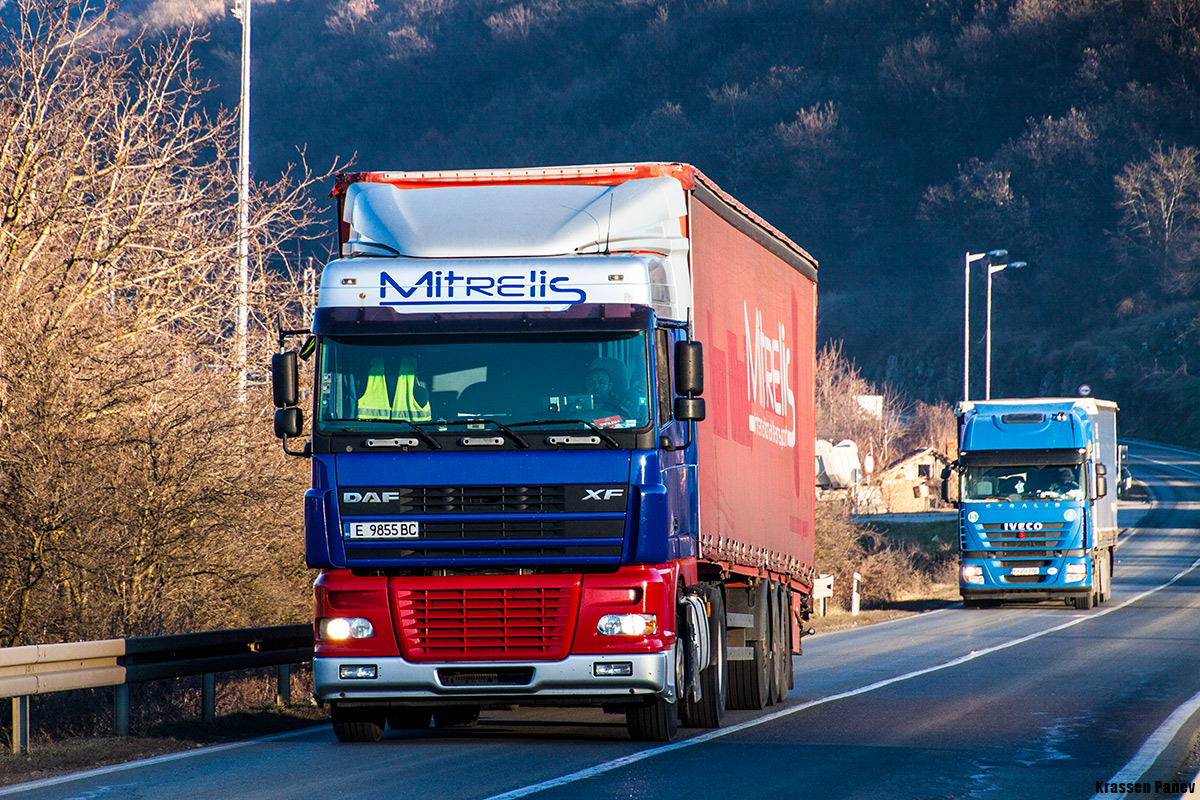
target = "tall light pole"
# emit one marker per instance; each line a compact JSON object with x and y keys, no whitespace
{"x":992,"y":270}
{"x":241,"y":10}
{"x":970,"y":259}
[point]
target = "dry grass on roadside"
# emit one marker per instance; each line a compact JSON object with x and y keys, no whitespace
{"x":899,"y":564}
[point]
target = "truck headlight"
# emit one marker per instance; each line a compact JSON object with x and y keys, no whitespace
{"x":627,"y":625}
{"x":1075,"y":572}
{"x":342,"y":628}
{"x":972,"y":573}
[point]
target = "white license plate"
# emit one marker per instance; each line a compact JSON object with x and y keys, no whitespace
{"x":408,"y":529}
{"x":1025,"y":571}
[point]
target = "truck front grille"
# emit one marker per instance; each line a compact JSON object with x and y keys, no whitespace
{"x":486,"y":623}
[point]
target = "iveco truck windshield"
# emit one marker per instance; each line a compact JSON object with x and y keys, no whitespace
{"x":367,"y":383}
{"x":1022,"y":484}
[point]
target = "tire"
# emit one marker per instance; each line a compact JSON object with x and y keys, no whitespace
{"x":1084,"y":603}
{"x":1106,"y":575}
{"x":772,"y":665}
{"x":783,"y":642}
{"x":748,"y":680}
{"x":357,"y":723}
{"x":455,"y":716}
{"x":408,"y":719}
{"x":714,"y":679}
{"x":658,"y":720}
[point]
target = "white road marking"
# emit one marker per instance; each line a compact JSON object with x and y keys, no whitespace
{"x":1153,"y":747}
{"x":148,"y":762}
{"x":633,"y":758}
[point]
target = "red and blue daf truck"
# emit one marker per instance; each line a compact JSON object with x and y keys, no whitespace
{"x":1036,"y":518}
{"x":562,"y":448}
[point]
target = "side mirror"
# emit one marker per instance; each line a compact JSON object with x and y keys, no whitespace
{"x":289,"y":423}
{"x":1101,"y":469}
{"x":689,"y":409}
{"x":1101,"y":486}
{"x":285,"y":381}
{"x":946,"y":472}
{"x":689,"y":370}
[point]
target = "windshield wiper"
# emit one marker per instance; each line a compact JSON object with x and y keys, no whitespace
{"x":609,"y":440}
{"x":516,"y":437}
{"x":425,"y":437}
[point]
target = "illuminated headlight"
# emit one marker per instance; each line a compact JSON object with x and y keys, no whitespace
{"x":972,"y":573}
{"x":1075,"y":572}
{"x":341,"y":628}
{"x":627,"y":625}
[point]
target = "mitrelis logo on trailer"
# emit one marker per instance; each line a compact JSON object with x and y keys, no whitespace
{"x":768,"y":381}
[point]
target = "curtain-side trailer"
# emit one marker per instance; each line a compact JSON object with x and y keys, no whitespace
{"x":562,"y":448}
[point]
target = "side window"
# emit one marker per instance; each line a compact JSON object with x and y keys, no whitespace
{"x":662,"y":358}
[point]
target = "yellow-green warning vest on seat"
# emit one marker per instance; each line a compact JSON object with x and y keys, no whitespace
{"x":374,"y":402}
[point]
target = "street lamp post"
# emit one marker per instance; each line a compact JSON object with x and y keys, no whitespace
{"x":970,"y":259}
{"x":241,"y":10}
{"x":987,"y":370}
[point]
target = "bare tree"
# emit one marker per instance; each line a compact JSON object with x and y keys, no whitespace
{"x":843,"y":410}
{"x":1159,"y":200}
{"x":135,"y":495}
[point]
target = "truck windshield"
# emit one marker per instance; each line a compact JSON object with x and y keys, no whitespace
{"x":383,"y":383}
{"x":1013,"y":484}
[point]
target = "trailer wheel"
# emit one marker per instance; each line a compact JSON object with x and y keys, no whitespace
{"x":357,"y":723}
{"x":408,"y":719}
{"x":1106,"y":575}
{"x":657,"y":720}
{"x":783,"y":641}
{"x":714,"y":679}
{"x":748,"y":680}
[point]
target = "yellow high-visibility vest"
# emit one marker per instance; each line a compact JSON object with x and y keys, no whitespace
{"x":374,"y":402}
{"x":405,"y":406}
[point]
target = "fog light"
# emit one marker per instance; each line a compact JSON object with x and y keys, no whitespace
{"x":627,"y":625}
{"x":1075,"y":572}
{"x":358,"y":672}
{"x":341,"y":628}
{"x":618,"y":669}
{"x":972,"y":573}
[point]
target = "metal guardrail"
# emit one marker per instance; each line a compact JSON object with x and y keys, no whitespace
{"x":46,"y":668}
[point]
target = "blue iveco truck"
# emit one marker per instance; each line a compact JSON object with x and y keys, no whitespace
{"x":1037,"y":520}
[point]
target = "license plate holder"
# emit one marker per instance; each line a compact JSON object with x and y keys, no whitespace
{"x":1025,"y":571}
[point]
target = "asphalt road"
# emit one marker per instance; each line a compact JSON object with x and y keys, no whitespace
{"x":1037,"y":701}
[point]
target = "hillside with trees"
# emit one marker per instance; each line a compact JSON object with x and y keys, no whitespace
{"x":887,"y":138}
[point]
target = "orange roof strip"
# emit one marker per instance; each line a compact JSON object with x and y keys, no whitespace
{"x":592,"y":175}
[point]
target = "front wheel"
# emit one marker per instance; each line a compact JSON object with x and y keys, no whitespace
{"x":357,"y":723}
{"x":657,"y":720}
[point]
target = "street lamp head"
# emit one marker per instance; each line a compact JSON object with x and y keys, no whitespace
{"x":997,"y":254}
{"x":1017,"y":264}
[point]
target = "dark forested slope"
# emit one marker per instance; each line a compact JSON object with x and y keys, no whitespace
{"x":886,"y":137}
